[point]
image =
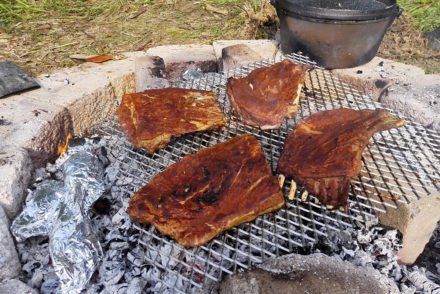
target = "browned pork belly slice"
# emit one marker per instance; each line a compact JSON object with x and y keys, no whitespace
{"x":209,"y":192}
{"x":324,"y":151}
{"x":151,"y":118}
{"x":268,"y":94}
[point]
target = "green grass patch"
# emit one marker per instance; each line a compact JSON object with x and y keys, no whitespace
{"x":14,"y":11}
{"x":425,"y":14}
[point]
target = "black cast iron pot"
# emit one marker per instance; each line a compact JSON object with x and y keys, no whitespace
{"x":335,"y":33}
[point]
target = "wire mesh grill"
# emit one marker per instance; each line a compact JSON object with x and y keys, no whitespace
{"x":399,"y":165}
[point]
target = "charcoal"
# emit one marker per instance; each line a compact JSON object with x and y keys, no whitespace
{"x":115,"y":289}
{"x":128,"y":266}
{"x":37,"y":279}
{"x":136,"y":285}
{"x":111,"y":271}
{"x":50,"y":283}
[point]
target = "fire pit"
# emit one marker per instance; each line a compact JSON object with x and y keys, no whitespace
{"x":399,"y":166}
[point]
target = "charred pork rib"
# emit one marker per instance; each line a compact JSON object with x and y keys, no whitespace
{"x":324,"y":151}
{"x":268,"y":95}
{"x":151,"y":118}
{"x":209,"y":192}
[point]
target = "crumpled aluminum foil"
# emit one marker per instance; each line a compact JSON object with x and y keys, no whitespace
{"x":60,"y":210}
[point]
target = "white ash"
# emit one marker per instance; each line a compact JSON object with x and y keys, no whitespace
{"x":376,"y":246}
{"x":127,"y":266}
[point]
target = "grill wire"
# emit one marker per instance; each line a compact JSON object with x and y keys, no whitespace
{"x":398,"y":165}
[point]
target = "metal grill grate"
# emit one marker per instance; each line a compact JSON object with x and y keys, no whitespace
{"x":399,"y":165}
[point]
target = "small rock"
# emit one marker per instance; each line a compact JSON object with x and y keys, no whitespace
{"x":434,"y":39}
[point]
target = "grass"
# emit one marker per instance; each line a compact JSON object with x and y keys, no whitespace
{"x":425,"y":14}
{"x":15,"y":11}
{"x":40,"y":35}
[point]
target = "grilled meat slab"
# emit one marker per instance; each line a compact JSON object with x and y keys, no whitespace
{"x":268,"y":95}
{"x":151,"y":118}
{"x":209,"y":192}
{"x":324,"y":151}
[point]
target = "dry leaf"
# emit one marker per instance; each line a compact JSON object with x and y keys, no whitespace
{"x":100,"y":58}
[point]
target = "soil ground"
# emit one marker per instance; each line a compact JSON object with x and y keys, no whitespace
{"x":42,"y":44}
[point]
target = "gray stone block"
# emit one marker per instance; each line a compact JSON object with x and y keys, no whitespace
{"x":267,"y":49}
{"x":9,"y":263}
{"x":179,"y":58}
{"x":405,"y":88}
{"x":417,"y":222}
{"x":238,"y":55}
{"x":15,"y":171}
{"x":149,"y":73}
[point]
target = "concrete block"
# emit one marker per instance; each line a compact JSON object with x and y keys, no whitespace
{"x":15,"y":171}
{"x":417,"y":222}
{"x":238,"y":55}
{"x":267,"y":49}
{"x":316,"y":273}
{"x":405,"y":88}
{"x":9,"y":263}
{"x":89,"y":92}
{"x":36,"y":125}
{"x":420,"y":103}
{"x":179,"y":58}
{"x":149,"y":73}
{"x":16,"y":286}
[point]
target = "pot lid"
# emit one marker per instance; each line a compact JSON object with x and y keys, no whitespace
{"x":340,"y":9}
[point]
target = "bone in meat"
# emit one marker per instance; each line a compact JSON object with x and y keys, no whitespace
{"x":268,"y":94}
{"x":324,"y":151}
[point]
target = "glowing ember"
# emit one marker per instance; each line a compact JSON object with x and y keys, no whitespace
{"x":63,"y":148}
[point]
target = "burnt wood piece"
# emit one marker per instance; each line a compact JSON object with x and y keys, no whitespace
{"x":268,"y":94}
{"x":211,"y":191}
{"x":152,"y":117}
{"x":324,"y":151}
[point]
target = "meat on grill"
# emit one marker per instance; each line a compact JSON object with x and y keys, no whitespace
{"x":151,"y":118}
{"x":324,"y":151}
{"x":268,"y":95}
{"x":208,"y":192}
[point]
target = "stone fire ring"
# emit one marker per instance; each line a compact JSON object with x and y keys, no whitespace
{"x":71,"y":101}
